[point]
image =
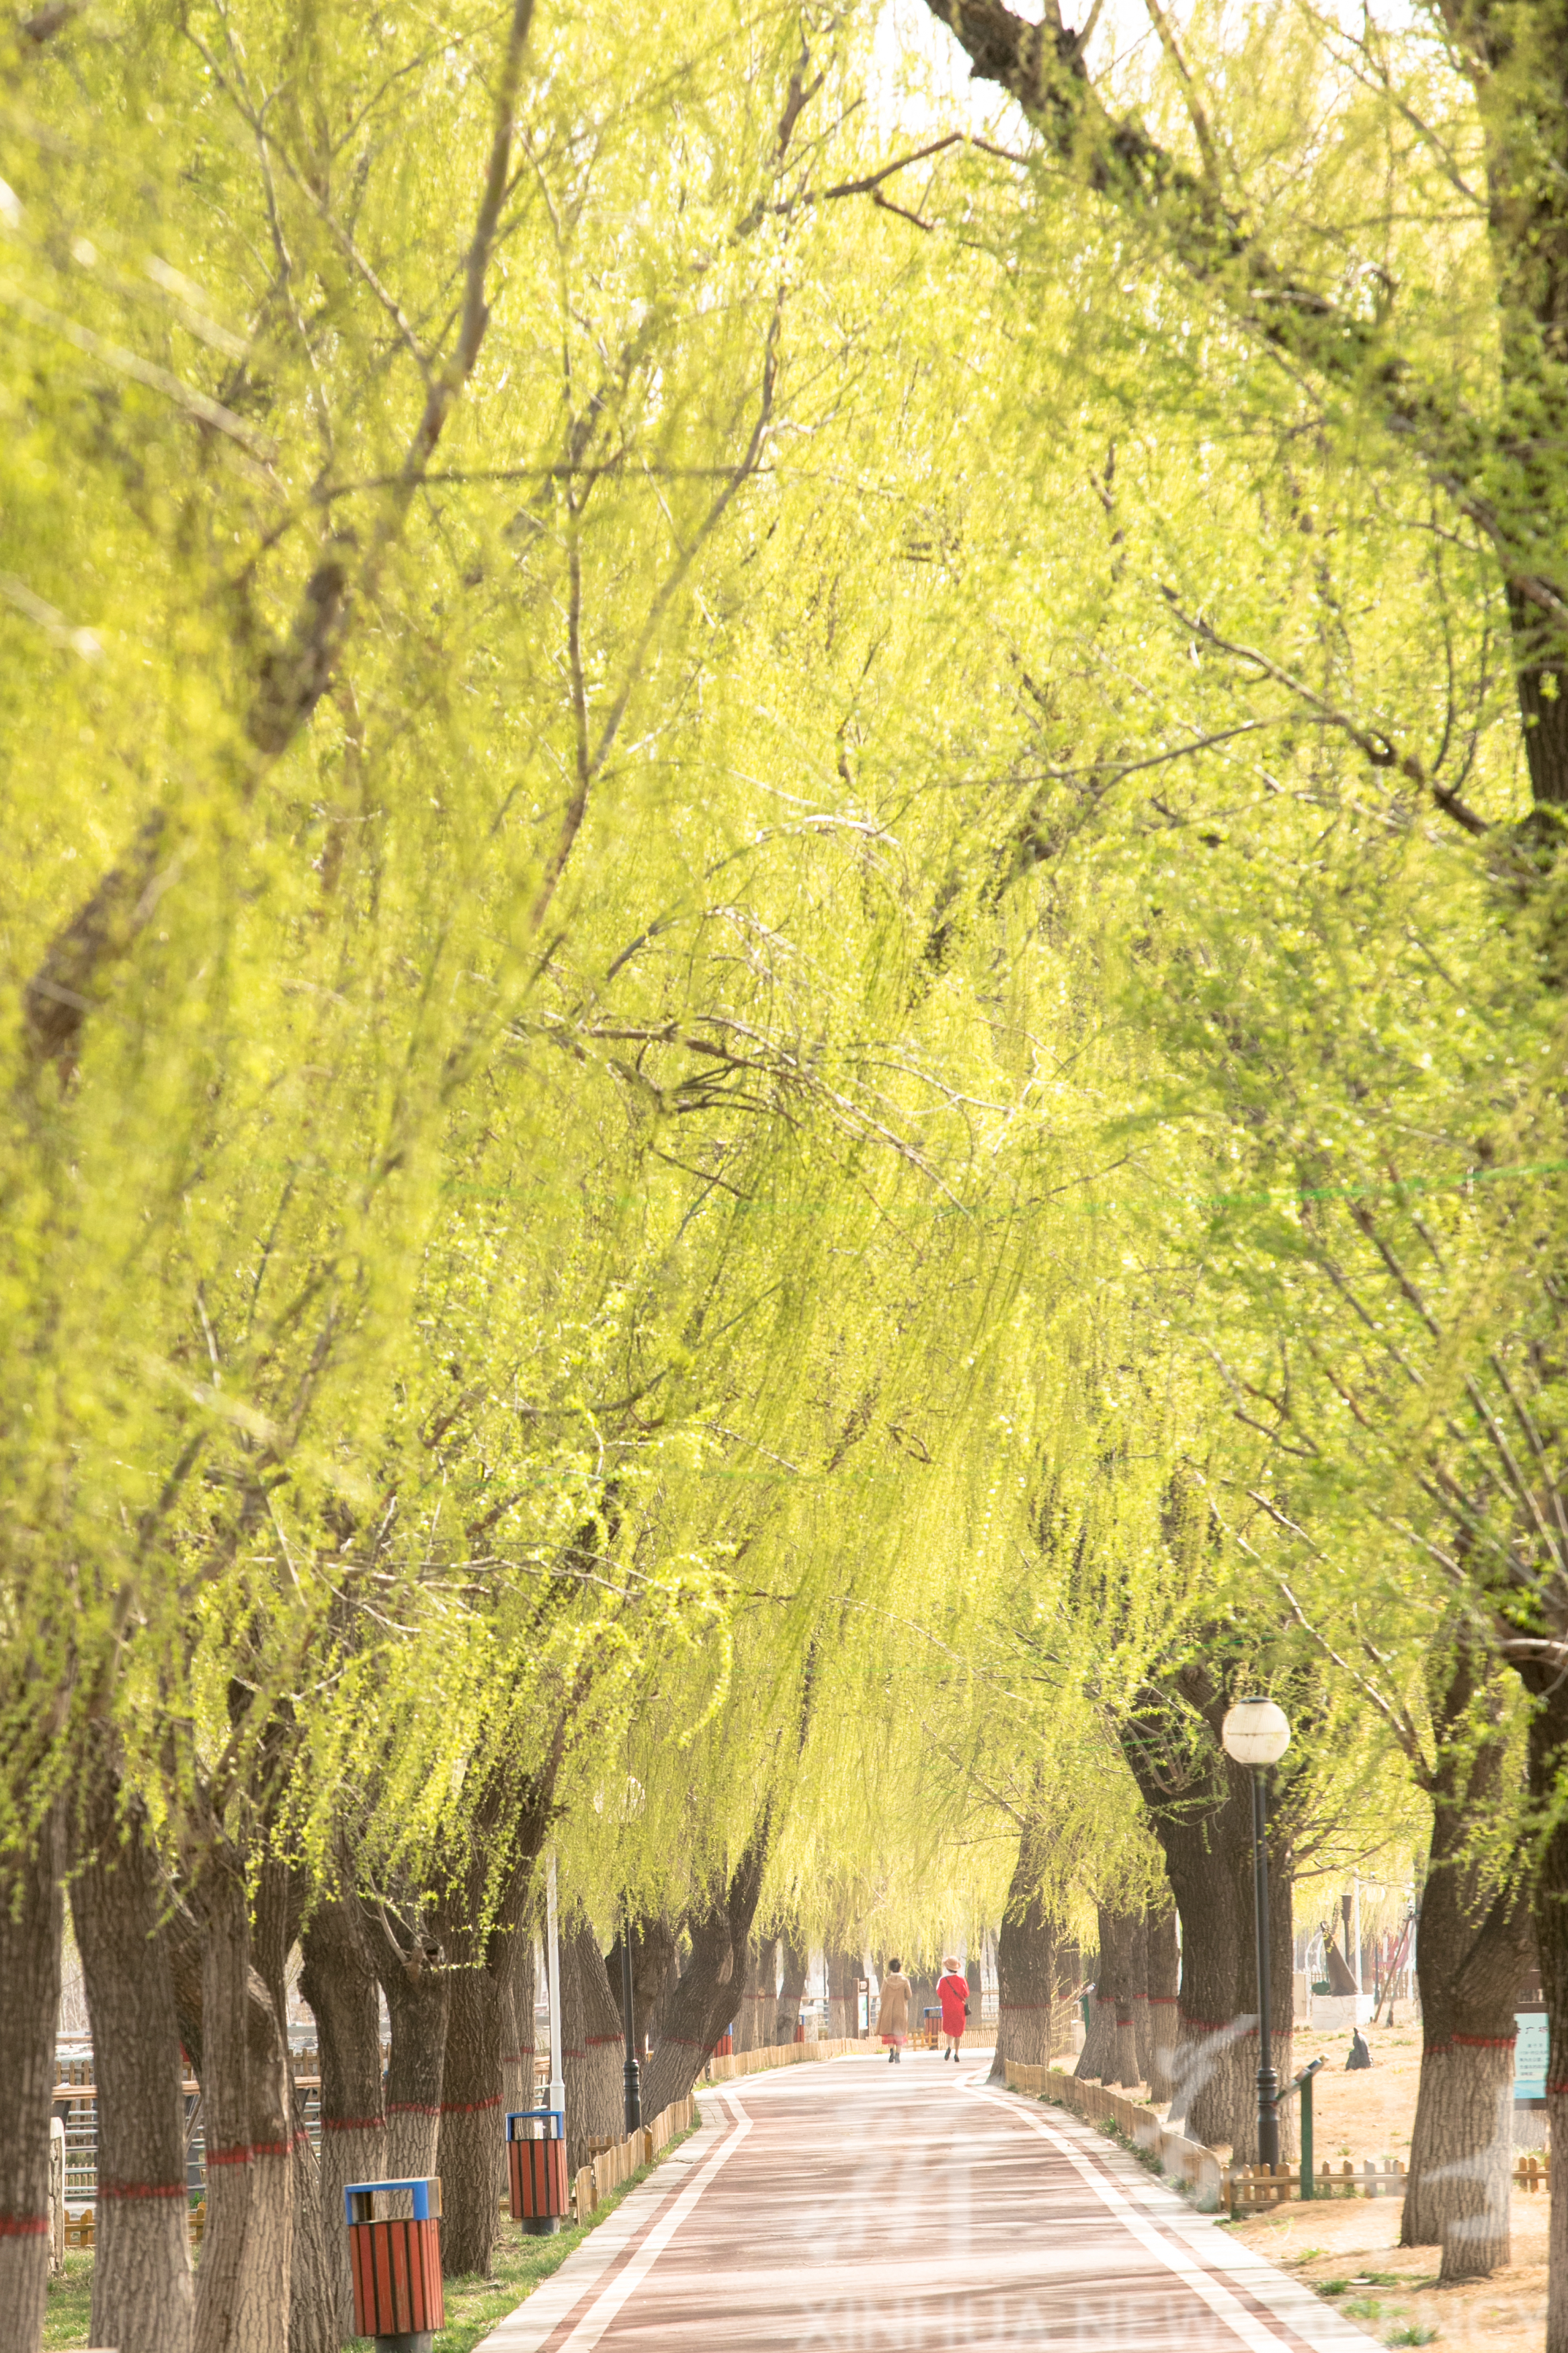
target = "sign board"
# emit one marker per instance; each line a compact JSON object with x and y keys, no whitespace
{"x":1531,"y":2053}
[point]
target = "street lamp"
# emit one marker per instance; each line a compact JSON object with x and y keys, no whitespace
{"x":1256,"y":1733}
{"x":628,"y":2005}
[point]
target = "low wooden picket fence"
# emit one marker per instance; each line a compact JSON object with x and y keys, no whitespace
{"x":784,"y":2054}
{"x":82,"y":2230}
{"x":619,"y":2159}
{"x":1185,"y":2160}
{"x":1249,"y":2186}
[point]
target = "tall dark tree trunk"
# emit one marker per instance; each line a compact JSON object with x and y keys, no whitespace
{"x":1162,"y":1965}
{"x":1471,"y":1952}
{"x":1026,"y":1976}
{"x":1118,"y":1939}
{"x":516,"y":2035}
{"x":592,"y":2046}
{"x":1097,"y":2057}
{"x":753,"y":2027}
{"x":1200,"y":1808}
{"x":843,"y":1976}
{"x":409,"y":1964}
{"x":244,"y":2281}
{"x":142,"y":2297}
{"x":468,"y":2155}
{"x":31,"y":1918}
{"x":341,"y":1987}
{"x":792,"y":1987}
{"x":312,"y":2302}
{"x":1547,"y":1769}
{"x":655,"y":1965}
{"x":699,"y":2006}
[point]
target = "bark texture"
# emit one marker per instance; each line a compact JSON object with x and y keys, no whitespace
{"x":244,"y":2282}
{"x":1162,"y":1967}
{"x":1471,"y":1953}
{"x":792,"y":1987}
{"x":655,"y":1965}
{"x":142,"y":2297}
{"x":843,"y":2014}
{"x":697,"y":2007}
{"x":754,"y":2024}
{"x":1025,"y":1972}
{"x":1200,"y":1808}
{"x":339,"y":1984}
{"x":516,"y":2037}
{"x":593,"y":2046}
{"x":31,"y":1918}
{"x":409,"y":1965}
{"x":469,"y":2153}
{"x":1548,"y":1753}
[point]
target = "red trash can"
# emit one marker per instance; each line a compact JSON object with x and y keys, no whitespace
{"x":726,"y":2046}
{"x":395,"y":2261}
{"x":536,"y":2169}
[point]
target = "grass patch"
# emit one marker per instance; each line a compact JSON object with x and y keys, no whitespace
{"x":68,"y":2314}
{"x":1416,"y":2334}
{"x":521,"y":2263}
{"x":1330,"y":2287}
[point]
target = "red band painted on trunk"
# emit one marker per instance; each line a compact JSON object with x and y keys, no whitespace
{"x":141,"y":2189}
{"x":1203,"y":2025}
{"x":411,"y":2108}
{"x":469,"y":2107}
{"x":24,"y":2226}
{"x":1557,"y":2087}
{"x":1164,"y":2001}
{"x":351,"y":2123}
{"x":247,"y":2149}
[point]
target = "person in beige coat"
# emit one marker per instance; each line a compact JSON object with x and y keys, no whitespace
{"x":893,"y":2014}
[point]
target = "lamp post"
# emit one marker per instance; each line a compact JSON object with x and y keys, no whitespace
{"x":1256,"y":1733}
{"x":628,"y":2006}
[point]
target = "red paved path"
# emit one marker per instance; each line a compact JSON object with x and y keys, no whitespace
{"x":858,"y":2206}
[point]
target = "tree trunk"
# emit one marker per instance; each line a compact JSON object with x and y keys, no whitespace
{"x":593,"y":2046}
{"x":1471,"y":1952}
{"x":243,"y":2284}
{"x":341,"y":1988}
{"x":1119,"y":2057}
{"x":516,"y":2036}
{"x":843,"y":2005}
{"x":143,"y":2298}
{"x":1026,"y":1957}
{"x":1548,"y":1753}
{"x":792,"y":1987}
{"x":655,"y":1965}
{"x":31,"y":1918}
{"x":1098,"y":2052}
{"x":697,"y":2010}
{"x":419,"y":1995}
{"x":1163,"y":1964}
{"x":468,"y":2154}
{"x":758,"y":1995}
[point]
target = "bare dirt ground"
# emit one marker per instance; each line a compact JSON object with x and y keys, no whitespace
{"x":1387,"y":2289}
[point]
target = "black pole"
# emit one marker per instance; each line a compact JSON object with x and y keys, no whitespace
{"x":1267,"y":2080}
{"x":628,"y":2008}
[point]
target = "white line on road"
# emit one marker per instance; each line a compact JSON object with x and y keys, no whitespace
{"x":1220,"y":2301}
{"x":609,"y":2300}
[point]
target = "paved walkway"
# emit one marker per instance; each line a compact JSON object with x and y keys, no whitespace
{"x":910,"y":2209}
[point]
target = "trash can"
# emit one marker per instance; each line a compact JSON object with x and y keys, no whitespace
{"x":930,"y":2024}
{"x":726,"y":2046}
{"x":536,"y":2169}
{"x":396,"y":2262}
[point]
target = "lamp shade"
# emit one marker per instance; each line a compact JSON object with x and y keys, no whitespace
{"x":1256,"y":1732}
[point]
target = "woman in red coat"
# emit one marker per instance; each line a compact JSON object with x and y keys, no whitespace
{"x":953,"y":1995}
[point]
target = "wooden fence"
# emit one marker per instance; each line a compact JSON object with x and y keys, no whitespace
{"x":1187,"y":2160}
{"x":618,"y":2160}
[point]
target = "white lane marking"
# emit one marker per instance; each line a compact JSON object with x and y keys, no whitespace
{"x":1220,"y":2301}
{"x":609,"y":2300}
